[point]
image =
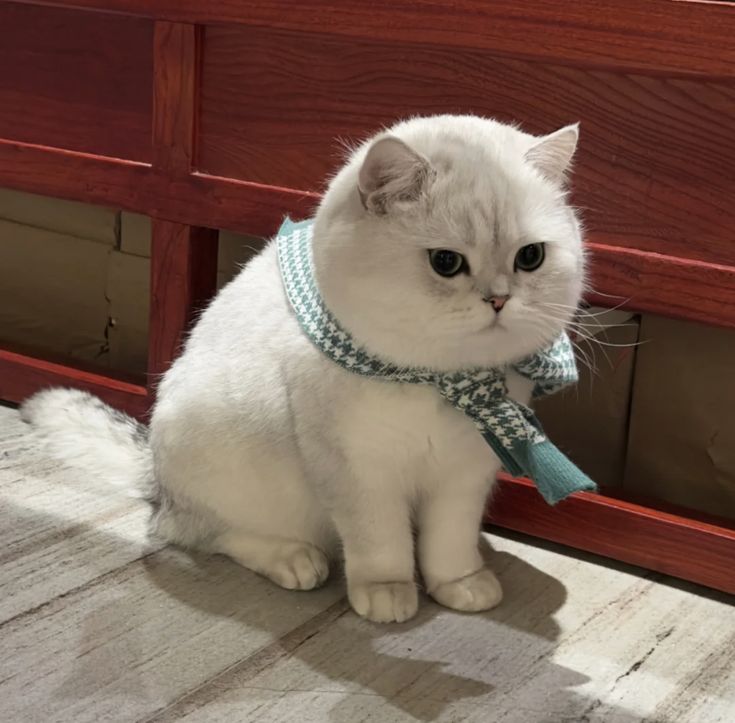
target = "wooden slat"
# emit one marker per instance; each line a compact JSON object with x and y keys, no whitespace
{"x":75,"y":175}
{"x":176,"y":54}
{"x":76,"y":80}
{"x":183,"y":257}
{"x":654,"y":169}
{"x":668,"y":36}
{"x":673,"y":544}
{"x":251,"y":208}
{"x":666,"y":285}
{"x":21,"y":376}
{"x":198,"y":199}
{"x":702,"y":292}
{"x":651,"y":282}
{"x":183,"y":278}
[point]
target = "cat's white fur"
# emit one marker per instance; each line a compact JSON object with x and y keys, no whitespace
{"x":262,"y":448}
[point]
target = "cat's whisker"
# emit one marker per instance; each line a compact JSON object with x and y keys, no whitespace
{"x":583,"y":356}
{"x":580,"y":327}
{"x":623,"y":299}
{"x":621,"y":346}
{"x":582,"y":310}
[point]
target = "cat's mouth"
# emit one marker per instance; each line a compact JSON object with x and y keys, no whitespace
{"x":496,"y":323}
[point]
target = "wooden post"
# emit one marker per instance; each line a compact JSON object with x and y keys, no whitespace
{"x":183,"y":257}
{"x":183,"y":277}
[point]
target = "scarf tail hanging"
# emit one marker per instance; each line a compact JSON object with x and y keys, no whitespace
{"x":553,"y":473}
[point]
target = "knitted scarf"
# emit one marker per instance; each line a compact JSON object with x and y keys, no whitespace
{"x":510,"y":428}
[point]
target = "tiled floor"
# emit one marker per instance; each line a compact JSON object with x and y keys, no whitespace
{"x":99,"y":624}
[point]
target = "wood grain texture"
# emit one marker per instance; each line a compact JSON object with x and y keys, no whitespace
{"x":197,"y":199}
{"x":674,"y":287}
{"x":668,"y":36}
{"x":175,"y":103}
{"x":183,"y":257}
{"x":76,"y":80}
{"x":652,"y":282}
{"x":22,"y":375}
{"x":677,"y":545}
{"x":183,"y":278}
{"x":95,"y":535}
{"x":654,"y":170}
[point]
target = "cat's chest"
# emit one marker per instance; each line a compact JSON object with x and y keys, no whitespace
{"x":412,"y":423}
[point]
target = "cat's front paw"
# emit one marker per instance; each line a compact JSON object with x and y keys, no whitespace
{"x":478,"y":591}
{"x":384,"y":602}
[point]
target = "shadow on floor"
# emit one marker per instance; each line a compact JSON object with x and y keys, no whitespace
{"x":440,"y":666}
{"x":396,"y":663}
{"x":589,"y":557}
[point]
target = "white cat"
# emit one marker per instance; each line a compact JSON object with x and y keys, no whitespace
{"x":262,"y":448}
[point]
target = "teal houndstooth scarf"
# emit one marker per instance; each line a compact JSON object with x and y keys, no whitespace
{"x":510,"y":428}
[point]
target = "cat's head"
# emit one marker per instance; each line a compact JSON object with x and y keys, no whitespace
{"x":447,"y":242}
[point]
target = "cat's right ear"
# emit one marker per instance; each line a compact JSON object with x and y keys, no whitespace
{"x":552,"y":154}
{"x":392,"y":172}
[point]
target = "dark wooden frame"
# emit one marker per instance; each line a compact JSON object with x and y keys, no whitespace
{"x":678,"y":39}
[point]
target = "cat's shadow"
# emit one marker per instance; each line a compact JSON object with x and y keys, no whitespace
{"x":297,"y":652}
{"x":430,"y":666}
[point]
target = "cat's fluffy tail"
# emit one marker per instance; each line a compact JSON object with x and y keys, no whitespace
{"x":84,"y":433}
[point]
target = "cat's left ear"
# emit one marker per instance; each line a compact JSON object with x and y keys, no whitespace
{"x":392,"y":172}
{"x":552,"y":154}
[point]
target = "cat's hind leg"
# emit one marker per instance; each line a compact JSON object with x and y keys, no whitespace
{"x":244,"y":497}
{"x":292,"y":564}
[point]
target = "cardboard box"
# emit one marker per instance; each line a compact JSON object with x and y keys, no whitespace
{"x":74,"y":278}
{"x":52,"y":291}
{"x":589,"y":422}
{"x":682,"y":432}
{"x":234,"y":249}
{"x":94,"y":223}
{"x":135,"y":234}
{"x":128,"y":286}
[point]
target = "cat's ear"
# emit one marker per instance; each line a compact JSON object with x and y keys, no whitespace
{"x":392,"y":172}
{"x":552,"y":154}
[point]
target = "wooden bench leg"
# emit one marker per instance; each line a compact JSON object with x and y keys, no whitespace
{"x":183,"y":279}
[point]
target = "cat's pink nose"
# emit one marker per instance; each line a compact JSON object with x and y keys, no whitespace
{"x":498,"y":302}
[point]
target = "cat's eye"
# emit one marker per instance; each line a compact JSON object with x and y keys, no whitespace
{"x":530,"y":257}
{"x":447,"y":263}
